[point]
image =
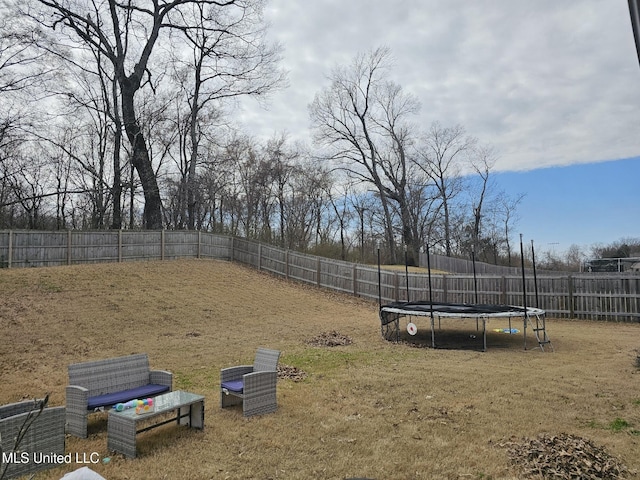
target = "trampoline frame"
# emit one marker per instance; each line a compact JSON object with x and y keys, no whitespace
{"x":391,"y":314}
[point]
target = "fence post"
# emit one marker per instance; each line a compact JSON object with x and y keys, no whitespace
{"x":636,"y":308}
{"x":10,"y":252}
{"x":199,"y":243}
{"x":120,"y":246}
{"x":68,"y":247}
{"x":162,"y":244}
{"x":504,"y":290}
{"x":318,"y":271}
{"x":355,"y":280}
{"x":571,"y":293}
{"x":259,"y":256}
{"x":286,"y":264}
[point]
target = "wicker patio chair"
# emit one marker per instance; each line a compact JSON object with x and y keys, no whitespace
{"x":253,"y":386}
{"x":42,"y":441}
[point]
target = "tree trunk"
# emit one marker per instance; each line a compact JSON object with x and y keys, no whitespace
{"x":195,"y":143}
{"x":447,"y":227}
{"x":388,"y":226}
{"x":116,"y":191}
{"x":152,"y":218}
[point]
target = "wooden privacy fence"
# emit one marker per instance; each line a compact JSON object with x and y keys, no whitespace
{"x":590,"y":296}
{"x":41,"y":249}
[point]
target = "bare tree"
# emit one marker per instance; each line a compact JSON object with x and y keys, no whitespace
{"x":338,"y":201}
{"x":22,"y":70}
{"x":22,"y":65}
{"x":281,"y":167}
{"x":306,"y":203}
{"x":27,"y":183}
{"x":621,"y":248}
{"x":507,"y":208}
{"x":482,"y":162}
{"x":127,"y":35}
{"x":229,"y":58}
{"x":441,"y":156}
{"x":362,"y":121}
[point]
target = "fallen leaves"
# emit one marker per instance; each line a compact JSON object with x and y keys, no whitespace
{"x":563,"y":457}
{"x":330,"y":339}
{"x":290,"y":372}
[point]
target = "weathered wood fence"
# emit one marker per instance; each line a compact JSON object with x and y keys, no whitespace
{"x":591,"y":296}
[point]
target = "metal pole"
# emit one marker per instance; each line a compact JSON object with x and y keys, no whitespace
{"x":535,"y":276}
{"x":524,"y":292}
{"x":484,"y":334}
{"x":475,"y":278}
{"x":406,"y":271}
{"x":433,"y":339}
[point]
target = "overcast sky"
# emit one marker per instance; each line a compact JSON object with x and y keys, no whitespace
{"x":546,"y":82}
{"x":552,"y":85}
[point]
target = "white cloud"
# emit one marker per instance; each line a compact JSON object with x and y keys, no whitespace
{"x":545,"y":82}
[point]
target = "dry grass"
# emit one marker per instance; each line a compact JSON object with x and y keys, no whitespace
{"x":368,"y":409}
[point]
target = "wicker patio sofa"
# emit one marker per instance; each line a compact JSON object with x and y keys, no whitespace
{"x":96,"y":385}
{"x":43,"y":439}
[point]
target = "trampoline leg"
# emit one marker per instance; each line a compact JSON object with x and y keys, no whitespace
{"x":433,"y":337}
{"x":484,"y":334}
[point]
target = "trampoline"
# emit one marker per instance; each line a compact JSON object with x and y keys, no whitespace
{"x":390,"y":315}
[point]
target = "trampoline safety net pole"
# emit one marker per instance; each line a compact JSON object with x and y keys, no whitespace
{"x":524,"y":293}
{"x":535,"y":276}
{"x":433,"y":338}
{"x":475,"y":279}
{"x":406,"y":271}
{"x":475,"y":276}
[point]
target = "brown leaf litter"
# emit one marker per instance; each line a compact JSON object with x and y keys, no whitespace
{"x":563,"y":456}
{"x":290,"y":372}
{"x":329,"y":339}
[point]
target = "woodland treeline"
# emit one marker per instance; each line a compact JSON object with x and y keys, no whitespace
{"x":121,"y":115}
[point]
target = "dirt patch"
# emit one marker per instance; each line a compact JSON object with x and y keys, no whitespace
{"x":329,"y":339}
{"x":290,"y":372}
{"x":563,"y":457}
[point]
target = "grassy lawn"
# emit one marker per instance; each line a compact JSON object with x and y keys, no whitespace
{"x":369,"y":409}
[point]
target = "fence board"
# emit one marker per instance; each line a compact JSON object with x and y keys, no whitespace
{"x":94,"y":247}
{"x":337,"y":275}
{"x":303,"y":268}
{"x":273,"y":260}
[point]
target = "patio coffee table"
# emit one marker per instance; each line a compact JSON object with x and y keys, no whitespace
{"x":122,"y":426}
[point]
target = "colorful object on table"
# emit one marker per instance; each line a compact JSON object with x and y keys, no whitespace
{"x":119,"y":407}
{"x":506,"y":330}
{"x":144,"y":406}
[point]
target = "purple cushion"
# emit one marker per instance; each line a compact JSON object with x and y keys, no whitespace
{"x":235,"y":386}
{"x":124,"y":396}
